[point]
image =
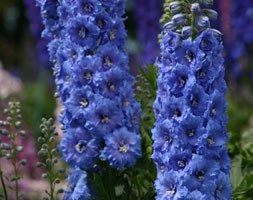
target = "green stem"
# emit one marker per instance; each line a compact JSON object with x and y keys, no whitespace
{"x":51,"y":172}
{"x":3,"y":184}
{"x":14,"y":154}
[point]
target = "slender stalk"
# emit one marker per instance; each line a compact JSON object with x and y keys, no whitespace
{"x":3,"y":184}
{"x":14,"y":154}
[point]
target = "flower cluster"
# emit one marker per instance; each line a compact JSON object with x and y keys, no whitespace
{"x":237,"y":25}
{"x":148,"y":14}
{"x":188,"y":17}
{"x":190,"y":110}
{"x":91,"y":70}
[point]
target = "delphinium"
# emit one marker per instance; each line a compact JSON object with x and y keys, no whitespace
{"x":50,"y":154}
{"x":190,"y":108}
{"x":101,"y":116}
{"x":9,"y":149}
{"x":36,"y":26}
{"x":238,"y":33}
{"x":147,"y":15}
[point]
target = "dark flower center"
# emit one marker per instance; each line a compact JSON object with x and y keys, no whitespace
{"x":176,"y":114}
{"x":84,"y":103}
{"x":112,"y":34}
{"x":201,"y":175}
{"x":181,"y":163}
{"x":80,"y":146}
{"x":167,"y":138}
{"x":88,"y":8}
{"x":213,"y":112}
{"x":210,"y":140}
{"x":123,"y":147}
{"x":205,"y":45}
{"x":108,"y":62}
{"x":172,"y":191}
{"x":182,"y":81}
{"x":126,"y":103}
{"x":101,"y":23}
{"x":88,"y":75}
{"x":194,"y":101}
{"x":105,"y":119}
{"x":189,"y":56}
{"x":111,"y":86}
{"x":190,"y":132}
{"x":201,"y":74}
{"x":82,"y":32}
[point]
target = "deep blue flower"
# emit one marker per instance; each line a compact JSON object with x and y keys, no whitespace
{"x":116,"y":34}
{"x":110,"y":82}
{"x":186,"y":54}
{"x":200,"y":174}
{"x":178,"y":78}
{"x":167,"y":187}
{"x":85,"y":70}
{"x":205,"y":73}
{"x":217,"y":107}
{"x":105,"y":118}
{"x":81,"y":100}
{"x":164,"y":136}
{"x":87,"y":7}
{"x":170,"y":42}
{"x":122,"y":148}
{"x":79,"y":148}
{"x":197,"y":100}
{"x":223,"y":188}
{"x":77,"y":186}
{"x":103,"y":21}
{"x":111,"y":57}
{"x":83,"y":31}
{"x":191,"y":130}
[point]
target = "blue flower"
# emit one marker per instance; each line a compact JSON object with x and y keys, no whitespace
{"x":110,"y":82}
{"x":122,"y":148}
{"x":111,"y":57}
{"x":85,"y":70}
{"x":223,"y":188}
{"x":164,"y":136}
{"x":105,"y":118}
{"x":81,"y":100}
{"x":218,"y":106}
{"x":177,"y":79}
{"x":83,"y":31}
{"x":116,"y":34}
{"x":79,"y":148}
{"x":77,"y":186}
{"x":200,"y":174}
{"x":191,"y":130}
{"x":167,"y":187}
{"x":197,"y":100}
{"x":170,"y":41}
{"x":87,"y":7}
{"x":103,"y":21}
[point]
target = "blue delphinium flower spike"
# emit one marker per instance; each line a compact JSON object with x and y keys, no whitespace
{"x":190,"y":110}
{"x":148,"y":13}
{"x":91,"y":71}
